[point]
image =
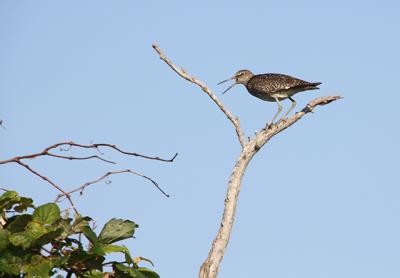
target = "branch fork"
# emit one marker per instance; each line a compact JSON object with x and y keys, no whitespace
{"x":210,"y":267}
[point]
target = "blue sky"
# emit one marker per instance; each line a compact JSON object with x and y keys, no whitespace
{"x":320,"y":200}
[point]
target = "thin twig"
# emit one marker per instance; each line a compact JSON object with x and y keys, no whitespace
{"x":70,"y":144}
{"x":44,"y":249}
{"x":234,"y":120}
{"x":104,"y":177}
{"x":50,"y":182}
{"x":81,"y":158}
{"x":97,"y":145}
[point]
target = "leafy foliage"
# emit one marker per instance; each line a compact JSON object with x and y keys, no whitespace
{"x":44,"y":243}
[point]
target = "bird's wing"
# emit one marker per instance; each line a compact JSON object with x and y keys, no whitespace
{"x":274,"y":82}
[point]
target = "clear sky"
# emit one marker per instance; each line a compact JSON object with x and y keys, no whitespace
{"x":320,"y":200}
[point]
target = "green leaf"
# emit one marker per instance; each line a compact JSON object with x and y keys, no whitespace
{"x":148,"y":273}
{"x":65,"y":225}
{"x":21,"y":239}
{"x":125,"y":271}
{"x":35,"y":230}
{"x":24,"y":204}
{"x":97,"y":249}
{"x":4,"y":239}
{"x":94,"y":274}
{"x":116,"y":230}
{"x":101,"y":250}
{"x":10,"y":264}
{"x":38,"y":267}
{"x":47,"y":214}
{"x":91,"y":236}
{"x":122,"y":270}
{"x":26,"y":238}
{"x":60,"y":261}
{"x":114,"y":248}
{"x":10,"y":198}
{"x":48,"y":237}
{"x":80,"y":223}
{"x":82,"y":258}
{"x":8,"y":194}
{"x":18,"y":223}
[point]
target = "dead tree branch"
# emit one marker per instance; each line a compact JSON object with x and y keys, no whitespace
{"x":210,"y":267}
{"x":234,"y":120}
{"x":104,"y":177}
{"x":70,"y":144}
{"x":48,"y":152}
{"x":48,"y":181}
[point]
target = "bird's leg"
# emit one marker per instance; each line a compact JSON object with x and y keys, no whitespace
{"x":277,"y":112}
{"x":291,"y":107}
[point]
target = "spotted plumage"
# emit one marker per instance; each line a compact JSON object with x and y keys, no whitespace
{"x":272,"y":87}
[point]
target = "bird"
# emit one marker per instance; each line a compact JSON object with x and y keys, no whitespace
{"x":272,"y":87}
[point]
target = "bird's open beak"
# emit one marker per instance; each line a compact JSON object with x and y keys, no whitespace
{"x":232,"y":78}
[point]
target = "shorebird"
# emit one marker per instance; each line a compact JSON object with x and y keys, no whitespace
{"x":272,"y":87}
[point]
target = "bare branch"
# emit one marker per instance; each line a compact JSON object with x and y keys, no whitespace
{"x":210,"y":267}
{"x":97,"y":145}
{"x":80,"y":158}
{"x":66,"y":146}
{"x":70,"y":144}
{"x":104,"y":177}
{"x":50,"y":182}
{"x":265,"y":134}
{"x":181,"y":72}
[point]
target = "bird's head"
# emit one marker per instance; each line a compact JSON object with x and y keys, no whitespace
{"x":240,"y":77}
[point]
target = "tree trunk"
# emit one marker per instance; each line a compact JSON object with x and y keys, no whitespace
{"x":209,"y":269}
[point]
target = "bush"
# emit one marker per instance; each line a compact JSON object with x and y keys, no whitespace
{"x":44,"y":243}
